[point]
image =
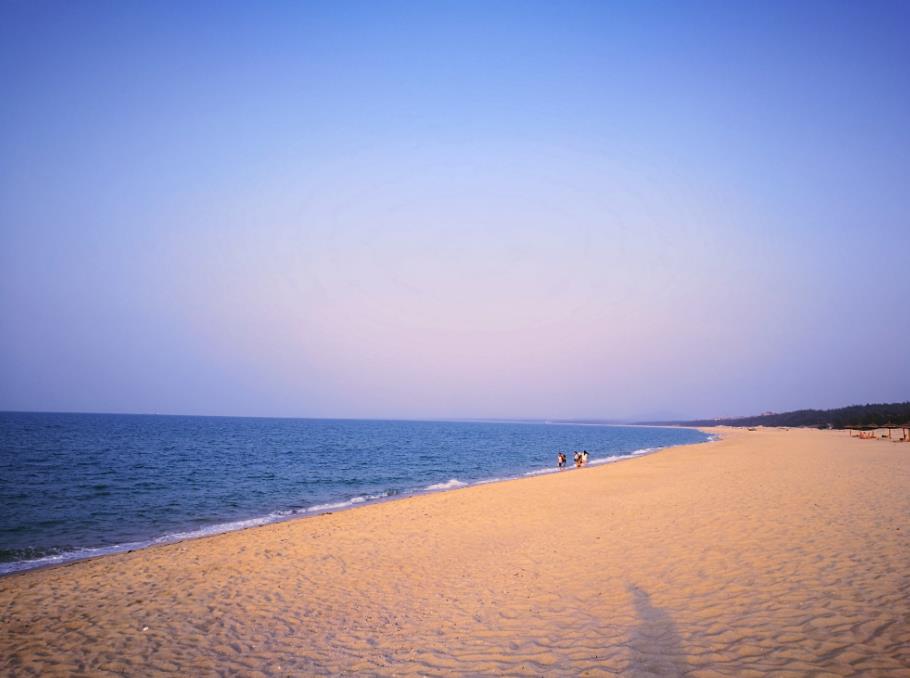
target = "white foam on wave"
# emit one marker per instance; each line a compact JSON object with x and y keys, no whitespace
{"x":620,"y":457}
{"x":353,"y":501}
{"x":336,"y":505}
{"x":221,"y":528}
{"x":67,"y":556}
{"x":169,"y":538}
{"x":448,"y":485}
{"x":487,"y":481}
{"x":542,"y":471}
{"x":606,"y":460}
{"x":172,"y":537}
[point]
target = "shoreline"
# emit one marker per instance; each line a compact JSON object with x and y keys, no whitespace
{"x":275,"y":517}
{"x":768,"y":552}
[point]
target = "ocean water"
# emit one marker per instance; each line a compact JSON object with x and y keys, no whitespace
{"x":77,"y":485}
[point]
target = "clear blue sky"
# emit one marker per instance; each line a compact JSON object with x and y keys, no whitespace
{"x":454,"y":209}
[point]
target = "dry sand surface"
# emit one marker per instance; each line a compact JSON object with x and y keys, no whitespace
{"x":781,"y":552}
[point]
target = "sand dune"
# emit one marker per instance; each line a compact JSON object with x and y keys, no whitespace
{"x":780,"y":552}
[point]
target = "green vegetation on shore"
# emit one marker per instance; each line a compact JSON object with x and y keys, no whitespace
{"x":853,"y":416}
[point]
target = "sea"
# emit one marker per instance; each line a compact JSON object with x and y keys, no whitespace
{"x":75,"y":486}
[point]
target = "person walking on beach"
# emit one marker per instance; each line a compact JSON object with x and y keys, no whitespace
{"x":560,"y":460}
{"x":584,"y":457}
{"x":577,"y":459}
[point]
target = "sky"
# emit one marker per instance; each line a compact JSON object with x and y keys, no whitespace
{"x":454,"y":209}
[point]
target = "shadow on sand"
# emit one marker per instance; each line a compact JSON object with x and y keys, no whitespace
{"x":655,"y":643}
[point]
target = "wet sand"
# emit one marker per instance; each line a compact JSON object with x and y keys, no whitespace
{"x":781,"y":552}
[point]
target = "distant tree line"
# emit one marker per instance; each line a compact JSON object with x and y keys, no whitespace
{"x":854,"y":416}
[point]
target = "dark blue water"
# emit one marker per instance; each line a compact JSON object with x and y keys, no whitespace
{"x":76,"y":485}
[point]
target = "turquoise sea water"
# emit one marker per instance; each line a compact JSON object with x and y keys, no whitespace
{"x":77,"y":485}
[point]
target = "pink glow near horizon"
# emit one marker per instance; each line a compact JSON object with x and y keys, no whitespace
{"x":316,"y":212}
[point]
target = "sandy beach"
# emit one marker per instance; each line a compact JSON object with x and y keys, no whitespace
{"x":772,"y":551}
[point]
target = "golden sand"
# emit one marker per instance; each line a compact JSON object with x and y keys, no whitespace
{"x":780,"y":552}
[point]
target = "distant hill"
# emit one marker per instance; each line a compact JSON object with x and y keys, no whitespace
{"x":859,"y":416}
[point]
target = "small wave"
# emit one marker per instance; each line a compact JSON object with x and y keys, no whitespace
{"x":351,"y":502}
{"x":487,"y":481}
{"x":542,"y":471}
{"x":57,"y":557}
{"x":607,"y":460}
{"x":13,"y":555}
{"x":448,"y":485}
{"x":220,"y":528}
{"x":66,"y":556}
{"x":336,"y":505}
{"x":620,"y":457}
